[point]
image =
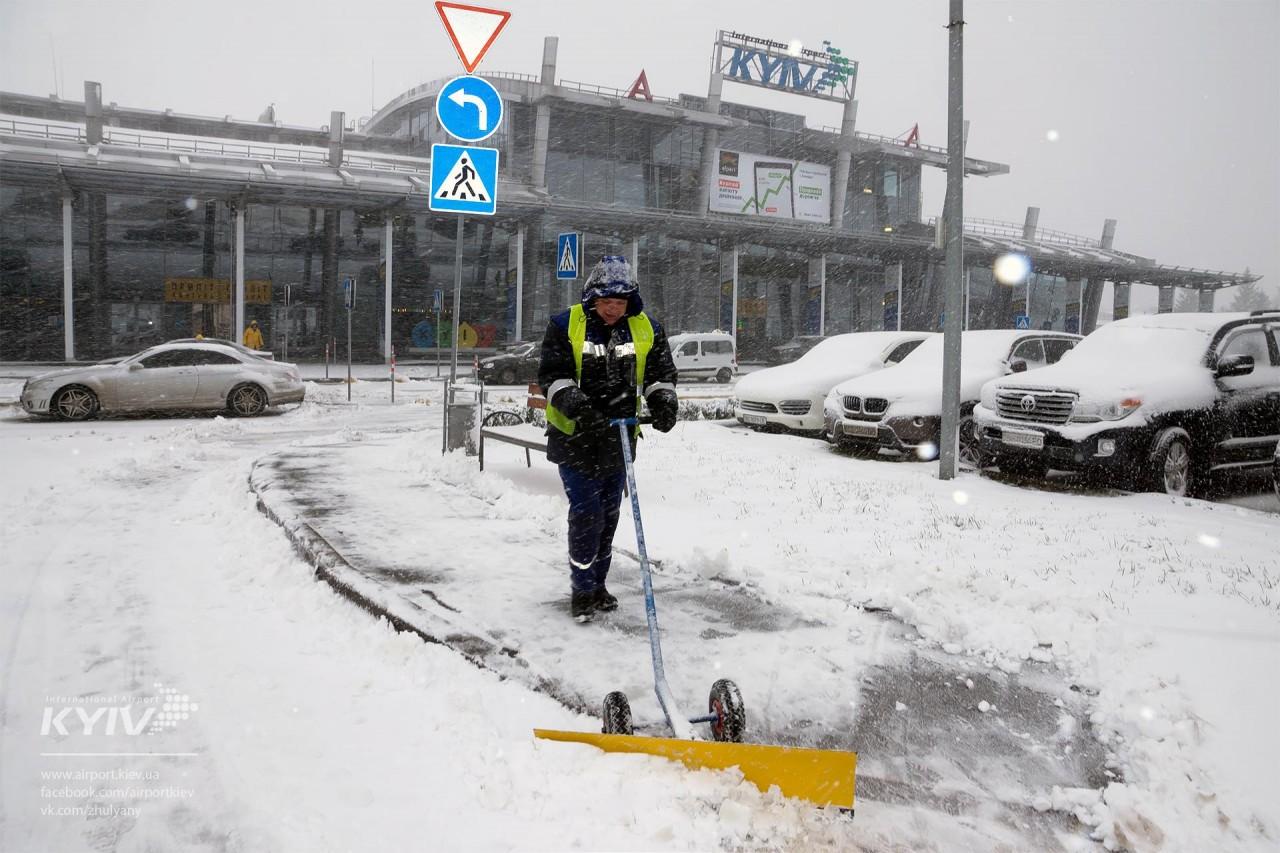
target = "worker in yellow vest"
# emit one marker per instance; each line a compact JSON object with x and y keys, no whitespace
{"x":253,"y":336}
{"x":599,"y":359}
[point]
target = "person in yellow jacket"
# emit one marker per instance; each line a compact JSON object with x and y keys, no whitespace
{"x":252,"y":336}
{"x":598,"y":359}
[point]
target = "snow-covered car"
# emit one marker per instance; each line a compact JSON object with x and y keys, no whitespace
{"x":197,"y":375}
{"x":790,"y":396}
{"x":900,"y":408}
{"x":518,"y":363}
{"x":795,"y":348}
{"x":1158,"y":402}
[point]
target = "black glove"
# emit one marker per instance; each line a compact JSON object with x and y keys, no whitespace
{"x":577,"y":406}
{"x":663,"y":405}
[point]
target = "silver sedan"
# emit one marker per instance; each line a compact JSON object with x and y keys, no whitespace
{"x":176,"y":375}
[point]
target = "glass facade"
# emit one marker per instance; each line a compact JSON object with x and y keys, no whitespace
{"x":154,"y":268}
{"x":30,"y":274}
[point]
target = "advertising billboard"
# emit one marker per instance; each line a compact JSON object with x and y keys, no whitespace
{"x":755,"y":185}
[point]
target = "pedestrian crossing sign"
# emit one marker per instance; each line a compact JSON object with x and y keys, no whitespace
{"x":464,"y":179}
{"x":567,"y":255}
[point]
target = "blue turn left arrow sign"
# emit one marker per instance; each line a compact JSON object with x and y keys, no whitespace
{"x":469,"y":108}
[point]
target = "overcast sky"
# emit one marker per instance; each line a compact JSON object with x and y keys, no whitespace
{"x":1166,"y":114}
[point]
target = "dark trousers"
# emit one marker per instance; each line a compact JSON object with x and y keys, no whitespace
{"x":593,"y":518}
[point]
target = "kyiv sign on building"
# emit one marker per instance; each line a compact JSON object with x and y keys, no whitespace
{"x":775,"y":65}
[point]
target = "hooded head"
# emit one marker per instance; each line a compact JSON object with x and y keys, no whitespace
{"x":253,"y":323}
{"x":611,"y":278}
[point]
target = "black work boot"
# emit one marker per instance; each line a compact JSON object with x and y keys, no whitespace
{"x":605,"y":601}
{"x":583,"y":606}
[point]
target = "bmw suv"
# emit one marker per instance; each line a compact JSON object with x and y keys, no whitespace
{"x":1159,"y":403}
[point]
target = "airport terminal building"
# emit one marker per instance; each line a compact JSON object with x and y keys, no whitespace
{"x":123,"y":227}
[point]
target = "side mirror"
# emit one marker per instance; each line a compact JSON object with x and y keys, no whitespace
{"x":135,"y":365}
{"x":1018,"y":366}
{"x":1236,"y":365}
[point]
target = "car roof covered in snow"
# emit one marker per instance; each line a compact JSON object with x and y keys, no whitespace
{"x":686,"y":335}
{"x":1199,"y":322}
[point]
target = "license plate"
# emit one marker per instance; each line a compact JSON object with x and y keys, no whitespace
{"x":861,"y":430}
{"x":754,"y":420}
{"x":1020,"y":438}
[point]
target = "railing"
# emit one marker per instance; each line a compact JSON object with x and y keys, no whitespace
{"x":212,"y":147}
{"x":1012,"y":229}
{"x":886,"y":140}
{"x":514,"y":75}
{"x":392,"y":162}
{"x":10,"y":126}
{"x":176,"y":144}
{"x":610,"y":91}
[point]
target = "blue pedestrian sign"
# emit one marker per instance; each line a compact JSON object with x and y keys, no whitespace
{"x":469,"y":108}
{"x":348,"y":293}
{"x":567,"y":255}
{"x":464,"y":179}
{"x":1022,"y":321}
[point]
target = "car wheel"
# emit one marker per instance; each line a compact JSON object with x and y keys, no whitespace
{"x":508,"y":377}
{"x":247,"y":400}
{"x":970,"y":449}
{"x":75,"y":403}
{"x":1172,"y":465}
{"x":723,"y":375}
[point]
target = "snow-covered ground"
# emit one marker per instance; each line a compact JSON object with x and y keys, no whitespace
{"x":136,"y":561}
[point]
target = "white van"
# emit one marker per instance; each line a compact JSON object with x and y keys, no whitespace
{"x":704,"y":355}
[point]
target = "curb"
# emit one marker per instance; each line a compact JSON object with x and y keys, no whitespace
{"x":430,"y":625}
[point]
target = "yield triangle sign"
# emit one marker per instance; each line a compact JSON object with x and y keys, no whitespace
{"x":472,"y":29}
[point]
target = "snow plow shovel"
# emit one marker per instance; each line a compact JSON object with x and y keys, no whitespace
{"x":823,"y":777}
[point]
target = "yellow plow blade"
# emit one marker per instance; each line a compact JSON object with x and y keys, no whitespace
{"x":823,"y":777}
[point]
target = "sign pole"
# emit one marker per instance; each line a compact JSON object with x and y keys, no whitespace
{"x":457,"y":299}
{"x":287,"y":292}
{"x":350,"y":284}
{"x":954,"y":279}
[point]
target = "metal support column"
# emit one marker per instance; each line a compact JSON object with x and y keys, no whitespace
{"x":519,"y":329}
{"x":840,"y":191}
{"x":386,"y":307}
{"x":1206,"y":300}
{"x":542,"y":113}
{"x":822,"y":294}
{"x":733,"y":322}
{"x":710,"y":141}
{"x":238,"y":298}
{"x":68,"y":285}
{"x":954,"y":282}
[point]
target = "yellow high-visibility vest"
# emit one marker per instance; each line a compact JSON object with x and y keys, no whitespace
{"x":641,"y":335}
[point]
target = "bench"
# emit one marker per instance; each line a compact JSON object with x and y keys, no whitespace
{"x":509,"y":427}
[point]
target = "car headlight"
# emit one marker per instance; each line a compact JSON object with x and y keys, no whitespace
{"x":831,"y":406}
{"x":1112,"y":410}
{"x":989,"y":397}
